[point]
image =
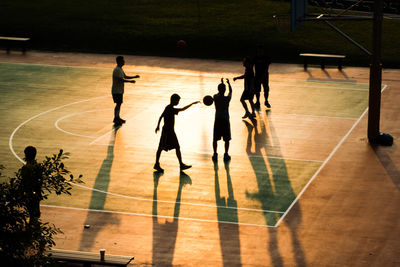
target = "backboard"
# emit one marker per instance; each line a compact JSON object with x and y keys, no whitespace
{"x":298,"y":11}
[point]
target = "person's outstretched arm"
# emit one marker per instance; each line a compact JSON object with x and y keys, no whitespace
{"x":131,"y":77}
{"x":188,"y":106}
{"x":239,"y":77}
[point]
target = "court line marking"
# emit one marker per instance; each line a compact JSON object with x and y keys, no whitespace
{"x":115,"y":194}
{"x":324,"y":163}
{"x":157,"y":216}
{"x":10,"y":142}
{"x":173,"y":202}
{"x":187,"y":152}
{"x":93,"y":189}
{"x":74,"y":114}
{"x":139,"y":68}
{"x":80,"y":101}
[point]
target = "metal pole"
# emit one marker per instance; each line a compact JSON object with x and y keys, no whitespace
{"x":375,"y":78}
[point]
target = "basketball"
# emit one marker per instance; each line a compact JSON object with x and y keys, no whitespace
{"x":181,"y":44}
{"x":208,"y":100}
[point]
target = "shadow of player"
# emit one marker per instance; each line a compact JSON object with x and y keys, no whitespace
{"x":95,"y":219}
{"x":227,"y":212}
{"x":164,"y":234}
{"x":274,"y":188}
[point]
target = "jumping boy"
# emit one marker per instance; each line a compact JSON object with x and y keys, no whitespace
{"x":119,"y":79}
{"x":248,"y":92}
{"x":168,"y":138}
{"x":222,"y":127}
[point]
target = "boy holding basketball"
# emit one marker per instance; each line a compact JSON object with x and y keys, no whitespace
{"x":168,"y":138}
{"x":222,"y":127}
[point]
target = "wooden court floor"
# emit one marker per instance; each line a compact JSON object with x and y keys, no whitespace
{"x":303,"y":188}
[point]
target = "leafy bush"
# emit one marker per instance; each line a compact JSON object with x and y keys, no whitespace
{"x":24,"y":240}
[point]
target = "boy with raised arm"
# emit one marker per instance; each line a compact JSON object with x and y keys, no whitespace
{"x":222,"y":127}
{"x":168,"y":138}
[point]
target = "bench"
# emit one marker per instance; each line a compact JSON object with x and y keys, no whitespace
{"x":9,"y":42}
{"x":322,"y":57}
{"x":88,"y":258}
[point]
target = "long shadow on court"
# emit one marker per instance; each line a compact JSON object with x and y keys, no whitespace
{"x":94,"y":219}
{"x":274,"y":188}
{"x":387,"y":162}
{"x":164,"y":234}
{"x":227,"y":212}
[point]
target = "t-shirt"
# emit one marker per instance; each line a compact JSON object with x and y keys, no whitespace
{"x":261,"y":64}
{"x":32,"y":179}
{"x":118,"y":83}
{"x":249,"y":79}
{"x":169,"y":116}
{"x":221,"y":106}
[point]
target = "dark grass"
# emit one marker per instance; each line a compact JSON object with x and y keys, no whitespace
{"x":224,"y":29}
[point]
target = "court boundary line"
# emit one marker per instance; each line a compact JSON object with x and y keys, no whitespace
{"x":158,"y":216}
{"x":323,"y":164}
{"x":174,"y":202}
{"x":10,"y":141}
{"x":80,"y":101}
{"x":75,"y":114}
{"x":193,"y":73}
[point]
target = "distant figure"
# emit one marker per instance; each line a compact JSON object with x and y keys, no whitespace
{"x":31,"y":183}
{"x":261,"y":65}
{"x":117,"y":90}
{"x":168,"y":138}
{"x":222,"y":126}
{"x":248,"y":92}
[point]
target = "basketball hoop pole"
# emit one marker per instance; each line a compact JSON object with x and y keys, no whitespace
{"x":375,"y":81}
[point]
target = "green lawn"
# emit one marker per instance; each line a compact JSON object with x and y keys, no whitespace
{"x":213,"y":29}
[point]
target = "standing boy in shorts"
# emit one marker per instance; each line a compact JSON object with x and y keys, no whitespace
{"x":119,"y":79}
{"x":168,"y":138}
{"x":248,"y":92}
{"x":222,"y":127}
{"x":261,"y":65}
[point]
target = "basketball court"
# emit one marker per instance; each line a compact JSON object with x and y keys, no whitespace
{"x":302,"y":182}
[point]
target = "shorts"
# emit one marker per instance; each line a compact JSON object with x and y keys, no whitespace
{"x":260,"y":80}
{"x":247,"y":95}
{"x":168,"y":140}
{"x":118,"y":98}
{"x":222,"y":129}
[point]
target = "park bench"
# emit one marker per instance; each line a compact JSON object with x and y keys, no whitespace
{"x":9,"y":42}
{"x":322,"y":57}
{"x":88,"y":258}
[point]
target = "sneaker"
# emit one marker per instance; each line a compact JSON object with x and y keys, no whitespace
{"x":257,"y":104}
{"x":252,"y":115}
{"x":118,"y":121}
{"x":267,"y":104}
{"x":158,"y":168}
{"x":215,"y":157}
{"x":246,"y":115}
{"x":227,"y":157}
{"x":184,"y":166}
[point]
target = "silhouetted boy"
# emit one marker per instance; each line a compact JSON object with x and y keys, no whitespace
{"x":248,"y":92}
{"x":31,"y":183}
{"x":168,"y":138}
{"x":117,"y":90}
{"x":222,"y":126}
{"x":261,"y":65}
